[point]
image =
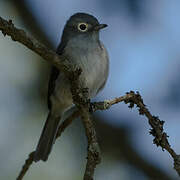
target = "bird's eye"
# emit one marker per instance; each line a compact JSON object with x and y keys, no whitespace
{"x":83,"y":27}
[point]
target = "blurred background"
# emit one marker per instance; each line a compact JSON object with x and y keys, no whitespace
{"x":143,"y":42}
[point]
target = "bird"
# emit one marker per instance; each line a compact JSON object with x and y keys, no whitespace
{"x":81,"y":45}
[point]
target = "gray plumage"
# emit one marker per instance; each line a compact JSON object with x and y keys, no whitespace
{"x":81,"y":45}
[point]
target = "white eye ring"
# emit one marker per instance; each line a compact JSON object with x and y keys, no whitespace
{"x":83,"y":27}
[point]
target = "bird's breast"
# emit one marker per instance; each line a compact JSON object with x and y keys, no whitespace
{"x":92,"y":58}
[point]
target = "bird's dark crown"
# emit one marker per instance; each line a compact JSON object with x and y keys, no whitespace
{"x":82,"y":17}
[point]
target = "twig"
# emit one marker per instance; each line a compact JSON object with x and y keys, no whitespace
{"x":160,"y":137}
{"x":26,"y":166}
{"x":19,"y":35}
{"x":132,"y":98}
{"x":83,"y":104}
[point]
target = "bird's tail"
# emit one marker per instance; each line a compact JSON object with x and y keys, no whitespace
{"x":47,"y":138}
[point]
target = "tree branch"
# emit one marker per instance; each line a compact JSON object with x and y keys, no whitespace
{"x":26,"y":166}
{"x":160,"y":137}
{"x":19,"y":35}
{"x":72,"y":73}
{"x":82,"y":102}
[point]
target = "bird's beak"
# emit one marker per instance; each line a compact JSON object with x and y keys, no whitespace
{"x":100,"y":26}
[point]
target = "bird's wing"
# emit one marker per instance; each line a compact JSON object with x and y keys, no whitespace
{"x":53,"y":76}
